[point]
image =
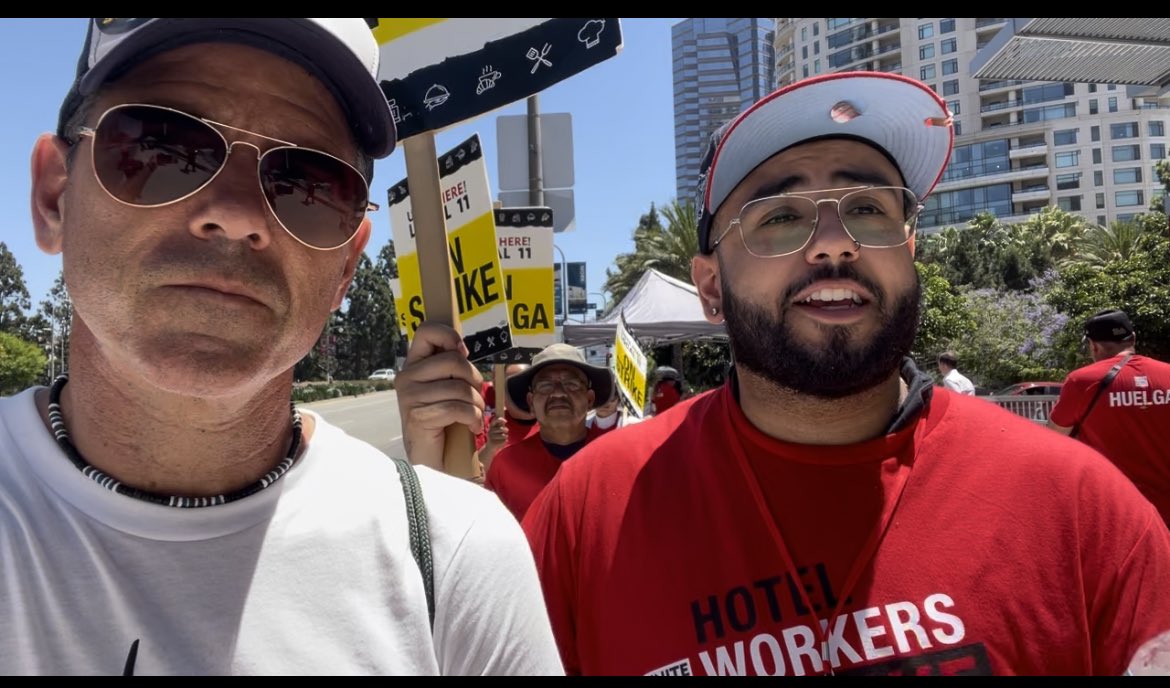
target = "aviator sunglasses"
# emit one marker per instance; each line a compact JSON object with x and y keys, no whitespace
{"x":148,"y":156}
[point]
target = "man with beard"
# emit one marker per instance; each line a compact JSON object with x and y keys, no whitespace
{"x":828,"y":510}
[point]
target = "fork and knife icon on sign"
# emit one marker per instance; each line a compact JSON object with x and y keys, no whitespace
{"x":538,"y":57}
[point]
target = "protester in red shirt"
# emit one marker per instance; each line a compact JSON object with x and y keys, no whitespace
{"x":668,"y":388}
{"x":560,"y":388}
{"x":500,"y":431}
{"x":1127,"y":419}
{"x":829,"y":510}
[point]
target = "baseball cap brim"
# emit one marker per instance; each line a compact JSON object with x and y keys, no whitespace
{"x":903,"y":117}
{"x":333,"y":50}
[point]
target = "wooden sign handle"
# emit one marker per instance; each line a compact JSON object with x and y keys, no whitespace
{"x":422,"y":176}
{"x":500,"y":384}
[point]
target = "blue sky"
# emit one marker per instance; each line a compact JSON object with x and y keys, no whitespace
{"x":623,"y":135}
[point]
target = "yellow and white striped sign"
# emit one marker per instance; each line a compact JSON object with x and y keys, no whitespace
{"x":471,"y":241}
{"x":630,"y":367}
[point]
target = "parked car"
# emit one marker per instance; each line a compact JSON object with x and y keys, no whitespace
{"x":1031,"y":389}
{"x":382,"y":374}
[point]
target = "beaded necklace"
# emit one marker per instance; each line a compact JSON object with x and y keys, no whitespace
{"x":57,"y":422}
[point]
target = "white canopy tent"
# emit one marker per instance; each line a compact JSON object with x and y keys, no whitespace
{"x":659,"y":308}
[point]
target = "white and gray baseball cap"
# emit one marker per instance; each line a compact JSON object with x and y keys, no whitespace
{"x":900,"y":116}
{"x":342,"y":53}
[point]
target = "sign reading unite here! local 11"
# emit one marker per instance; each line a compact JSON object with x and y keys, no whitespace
{"x":471,"y":242}
{"x":525,"y":238}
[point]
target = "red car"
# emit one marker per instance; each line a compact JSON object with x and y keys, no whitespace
{"x":1030,"y":389}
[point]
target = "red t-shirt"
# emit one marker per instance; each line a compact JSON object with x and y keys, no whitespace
{"x":1012,"y":550}
{"x":665,"y":396}
{"x":517,"y":430}
{"x":1129,"y":424}
{"x":520,"y":471}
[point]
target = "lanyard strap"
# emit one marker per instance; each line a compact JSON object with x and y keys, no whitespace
{"x":868,"y":550}
{"x":1105,"y":382}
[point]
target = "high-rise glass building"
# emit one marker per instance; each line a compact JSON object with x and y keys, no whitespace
{"x":720,"y":66}
{"x":1020,"y":145}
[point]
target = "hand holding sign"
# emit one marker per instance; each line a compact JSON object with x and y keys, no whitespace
{"x":437,"y":387}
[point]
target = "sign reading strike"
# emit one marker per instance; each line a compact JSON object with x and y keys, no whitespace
{"x":630,"y":367}
{"x":471,"y":242}
{"x":437,"y":72}
{"x":525,"y":237}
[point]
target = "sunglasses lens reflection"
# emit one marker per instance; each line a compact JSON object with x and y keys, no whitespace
{"x":149,"y":156}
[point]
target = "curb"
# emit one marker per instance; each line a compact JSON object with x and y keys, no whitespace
{"x":326,"y":402}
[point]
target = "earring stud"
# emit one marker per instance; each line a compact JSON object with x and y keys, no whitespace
{"x":714,"y":310}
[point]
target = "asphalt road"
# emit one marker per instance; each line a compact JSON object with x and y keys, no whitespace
{"x":371,"y":417}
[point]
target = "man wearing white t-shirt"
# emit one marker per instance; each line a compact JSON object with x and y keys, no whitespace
{"x":164,"y":507}
{"x":948,"y":365}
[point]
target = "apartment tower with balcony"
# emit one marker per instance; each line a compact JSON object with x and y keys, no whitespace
{"x":1020,"y":146}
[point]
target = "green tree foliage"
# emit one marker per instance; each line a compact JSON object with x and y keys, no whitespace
{"x":677,"y":243}
{"x":14,"y":300}
{"x":1138,"y":283}
{"x":705,"y":364}
{"x":1015,"y":337}
{"x":1101,"y":246}
{"x":365,"y":336}
{"x":54,"y":324}
{"x":669,"y":248}
{"x":369,"y":335}
{"x":1159,"y":203}
{"x":990,"y":255}
{"x":388,"y":260}
{"x":21,"y":363}
{"x":629,"y":267}
{"x":666,"y":248}
{"x":946,"y":319}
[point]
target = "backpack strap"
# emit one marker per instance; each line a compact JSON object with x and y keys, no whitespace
{"x":420,"y":534}
{"x":1100,"y":390}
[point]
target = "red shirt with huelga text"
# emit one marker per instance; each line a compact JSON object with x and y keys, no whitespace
{"x":1129,"y":424}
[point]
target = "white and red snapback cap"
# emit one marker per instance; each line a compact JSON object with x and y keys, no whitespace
{"x":901,"y":116}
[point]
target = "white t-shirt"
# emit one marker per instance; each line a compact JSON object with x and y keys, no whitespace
{"x":313,"y":575}
{"x":957,"y":382}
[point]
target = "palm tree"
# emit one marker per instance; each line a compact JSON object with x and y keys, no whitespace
{"x":677,"y":243}
{"x":1100,"y":245}
{"x":666,"y":249}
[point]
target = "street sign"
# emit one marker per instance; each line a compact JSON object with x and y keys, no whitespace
{"x":630,"y":367}
{"x":556,"y":151}
{"x":471,"y":241}
{"x":438,"y":72}
{"x":525,"y":240}
{"x":578,"y":293}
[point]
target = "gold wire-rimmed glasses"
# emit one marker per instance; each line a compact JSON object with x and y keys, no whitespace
{"x":780,"y":225}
